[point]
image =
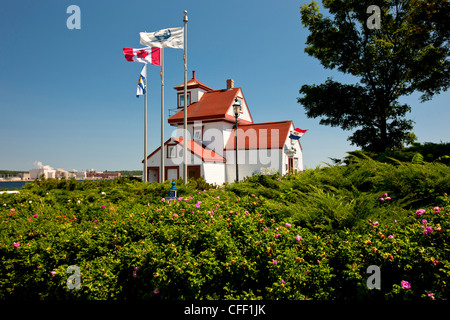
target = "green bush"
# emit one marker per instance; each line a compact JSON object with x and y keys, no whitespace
{"x":309,"y":235}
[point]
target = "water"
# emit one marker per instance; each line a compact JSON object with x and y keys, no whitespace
{"x":11,"y":185}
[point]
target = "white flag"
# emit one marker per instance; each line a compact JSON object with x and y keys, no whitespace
{"x":166,"y":38}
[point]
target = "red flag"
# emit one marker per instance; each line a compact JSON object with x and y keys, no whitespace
{"x":150,"y":55}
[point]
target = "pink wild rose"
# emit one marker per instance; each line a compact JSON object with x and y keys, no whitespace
{"x":420,"y":212}
{"x":406,"y":284}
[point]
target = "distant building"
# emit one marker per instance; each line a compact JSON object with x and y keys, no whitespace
{"x":24,"y":176}
{"x":37,"y":173}
{"x":102,"y":175}
{"x":14,"y":176}
{"x":80,"y":175}
{"x":60,"y":173}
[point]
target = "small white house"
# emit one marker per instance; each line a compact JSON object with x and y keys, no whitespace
{"x":211,"y":139}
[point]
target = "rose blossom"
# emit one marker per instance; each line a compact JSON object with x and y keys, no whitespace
{"x":420,"y":212}
{"x":406,"y":284}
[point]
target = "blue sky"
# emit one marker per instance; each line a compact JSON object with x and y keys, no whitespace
{"x":67,"y":97}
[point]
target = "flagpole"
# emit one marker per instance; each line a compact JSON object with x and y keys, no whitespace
{"x":144,"y":176}
{"x":162,"y":117}
{"x":185,"y":20}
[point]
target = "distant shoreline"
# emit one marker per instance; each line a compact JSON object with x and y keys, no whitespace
{"x":18,"y":184}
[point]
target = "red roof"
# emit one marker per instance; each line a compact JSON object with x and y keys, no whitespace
{"x":259,"y":135}
{"x":213,"y":105}
{"x":193,"y":83}
{"x":207,"y":155}
{"x":201,"y":151}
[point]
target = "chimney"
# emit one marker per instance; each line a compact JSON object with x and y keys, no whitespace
{"x":230,"y":83}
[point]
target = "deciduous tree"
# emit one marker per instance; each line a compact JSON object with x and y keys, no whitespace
{"x":409,"y":52}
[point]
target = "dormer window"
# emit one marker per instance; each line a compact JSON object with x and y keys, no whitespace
{"x":181,"y":99}
{"x":195,"y":91}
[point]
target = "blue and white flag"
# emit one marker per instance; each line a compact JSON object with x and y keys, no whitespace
{"x":166,"y":38}
{"x":141,"y":83}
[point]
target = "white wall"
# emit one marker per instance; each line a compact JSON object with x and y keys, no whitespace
{"x":214,"y":172}
{"x":245,"y":115}
{"x":196,"y":94}
{"x":251,"y":161}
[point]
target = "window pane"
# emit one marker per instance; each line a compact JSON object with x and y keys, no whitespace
{"x":182,"y":99}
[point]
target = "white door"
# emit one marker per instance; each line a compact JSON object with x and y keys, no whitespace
{"x":172,"y":174}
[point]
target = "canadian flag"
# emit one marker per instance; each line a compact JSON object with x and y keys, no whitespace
{"x":150,"y":55}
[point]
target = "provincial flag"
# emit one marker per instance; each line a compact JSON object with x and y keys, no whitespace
{"x":297,"y":134}
{"x":143,"y":55}
{"x":171,"y":38}
{"x":141,"y":83}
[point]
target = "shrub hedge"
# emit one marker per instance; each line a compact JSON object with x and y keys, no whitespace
{"x":309,"y":235}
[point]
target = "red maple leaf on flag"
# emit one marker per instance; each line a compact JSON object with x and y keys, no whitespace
{"x":142,"y":54}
